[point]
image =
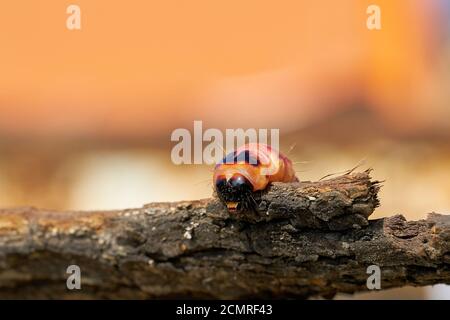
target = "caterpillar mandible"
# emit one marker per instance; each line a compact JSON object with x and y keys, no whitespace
{"x":249,"y":169}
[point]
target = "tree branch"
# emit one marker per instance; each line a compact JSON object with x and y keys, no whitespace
{"x":309,"y":238}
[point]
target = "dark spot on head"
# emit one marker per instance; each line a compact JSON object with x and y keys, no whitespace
{"x":221,"y":183}
{"x":238,"y":181}
{"x":236,"y":189}
{"x":243,"y":156}
{"x":229,"y":158}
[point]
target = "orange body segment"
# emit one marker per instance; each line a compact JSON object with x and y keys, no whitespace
{"x":260,"y":165}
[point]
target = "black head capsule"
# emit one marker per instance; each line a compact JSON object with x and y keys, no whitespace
{"x":236,"y":192}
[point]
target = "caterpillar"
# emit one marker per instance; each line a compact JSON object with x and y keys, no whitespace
{"x":249,"y":170}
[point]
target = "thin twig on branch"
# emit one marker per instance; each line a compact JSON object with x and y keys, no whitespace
{"x":308,"y":239}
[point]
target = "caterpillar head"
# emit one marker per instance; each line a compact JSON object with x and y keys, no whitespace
{"x":235,"y":192}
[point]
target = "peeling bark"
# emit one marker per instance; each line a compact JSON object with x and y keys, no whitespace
{"x":307,"y":239}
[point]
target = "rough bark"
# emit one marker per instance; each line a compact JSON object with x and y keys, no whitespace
{"x":308,"y":239}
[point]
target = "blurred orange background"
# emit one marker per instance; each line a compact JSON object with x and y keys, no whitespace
{"x":86,"y":115}
{"x":139,"y":68}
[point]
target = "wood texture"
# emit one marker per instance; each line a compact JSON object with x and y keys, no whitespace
{"x":308,"y":239}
